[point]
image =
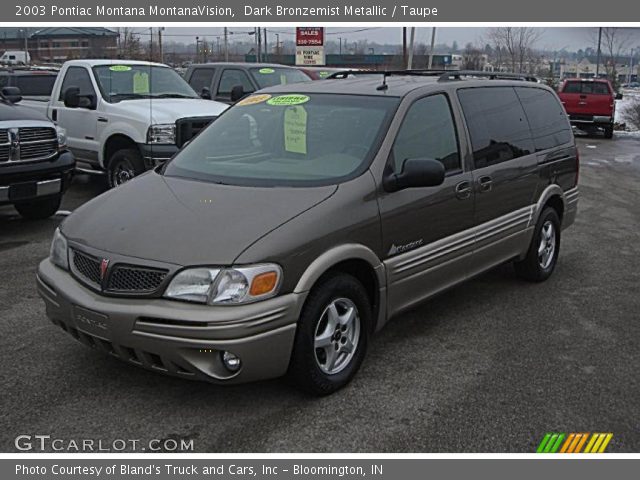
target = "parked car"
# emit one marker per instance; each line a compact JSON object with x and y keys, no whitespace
{"x":590,"y":103}
{"x":35,"y":166}
{"x":229,"y":82}
{"x":124,"y":117}
{"x":33,"y":83}
{"x":305,"y":217}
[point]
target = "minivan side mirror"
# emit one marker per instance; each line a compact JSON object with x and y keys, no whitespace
{"x":12,"y":94}
{"x":618,"y":96}
{"x":237,"y":92}
{"x":72,"y":99}
{"x":205,"y":94}
{"x":416,"y":172}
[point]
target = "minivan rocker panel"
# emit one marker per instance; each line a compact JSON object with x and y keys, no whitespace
{"x":353,"y":203}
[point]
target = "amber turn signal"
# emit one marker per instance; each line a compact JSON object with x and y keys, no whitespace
{"x":263,"y":283}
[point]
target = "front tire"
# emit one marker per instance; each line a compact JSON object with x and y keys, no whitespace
{"x":542,"y":255}
{"x":332,"y":335}
{"x":39,"y":209}
{"x":123,"y":166}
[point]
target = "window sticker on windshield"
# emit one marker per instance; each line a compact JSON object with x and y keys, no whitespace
{"x":119,"y":68}
{"x":295,"y":130}
{"x":293,"y":99}
{"x":253,"y":99}
{"x":324,"y":74}
{"x":141,"y":82}
{"x":266,"y":71}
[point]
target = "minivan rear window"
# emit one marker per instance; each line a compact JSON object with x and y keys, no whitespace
{"x":594,"y":88}
{"x":547,"y":118}
{"x":497,"y":124}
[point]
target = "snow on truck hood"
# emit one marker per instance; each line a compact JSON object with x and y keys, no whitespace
{"x":168,"y":110}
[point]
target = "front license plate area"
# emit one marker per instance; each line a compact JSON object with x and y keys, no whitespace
{"x":92,"y":323}
{"x":23,"y":191}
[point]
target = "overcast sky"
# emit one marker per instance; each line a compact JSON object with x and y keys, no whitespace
{"x":556,"y":38}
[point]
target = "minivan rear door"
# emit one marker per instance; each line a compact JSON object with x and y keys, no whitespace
{"x":505,"y":174}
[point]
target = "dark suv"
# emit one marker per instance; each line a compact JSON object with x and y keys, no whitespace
{"x":305,"y":217}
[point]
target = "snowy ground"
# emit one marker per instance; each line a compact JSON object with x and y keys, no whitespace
{"x":628,"y":96}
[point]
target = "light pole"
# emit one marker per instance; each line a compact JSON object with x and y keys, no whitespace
{"x":630,"y":65}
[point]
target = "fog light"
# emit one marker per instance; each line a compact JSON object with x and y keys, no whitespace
{"x":231,"y":361}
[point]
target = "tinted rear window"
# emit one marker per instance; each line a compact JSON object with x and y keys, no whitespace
{"x":547,"y":119}
{"x":497,"y":124}
{"x":35,"y":85}
{"x":595,"y":88}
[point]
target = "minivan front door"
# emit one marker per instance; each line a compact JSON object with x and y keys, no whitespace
{"x":427,"y":232}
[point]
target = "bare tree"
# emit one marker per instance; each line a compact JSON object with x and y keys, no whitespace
{"x":516,"y":42}
{"x":614,"y":42}
{"x":472,"y":58}
{"x":128,"y":43}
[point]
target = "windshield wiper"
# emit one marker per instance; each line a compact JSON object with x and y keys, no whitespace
{"x":128,"y":96}
{"x":172,"y":95}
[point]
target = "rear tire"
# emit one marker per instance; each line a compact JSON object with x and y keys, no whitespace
{"x":39,"y":209}
{"x":123,"y":166}
{"x":332,"y":335}
{"x":542,"y":255}
{"x":608,"y":132}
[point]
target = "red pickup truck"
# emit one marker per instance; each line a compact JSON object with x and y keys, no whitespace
{"x":590,"y":103}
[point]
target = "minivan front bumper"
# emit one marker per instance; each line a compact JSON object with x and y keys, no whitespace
{"x":176,"y":338}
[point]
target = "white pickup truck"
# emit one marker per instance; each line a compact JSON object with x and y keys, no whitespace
{"x":123,"y":117}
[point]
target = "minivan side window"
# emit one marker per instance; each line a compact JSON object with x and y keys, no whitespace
{"x":201,"y":78}
{"x":232,"y":77}
{"x":547,"y":119}
{"x":497,"y":124}
{"x":428,"y":131}
{"x":77,"y":77}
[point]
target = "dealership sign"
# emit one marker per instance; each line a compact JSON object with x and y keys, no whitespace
{"x":310,"y":46}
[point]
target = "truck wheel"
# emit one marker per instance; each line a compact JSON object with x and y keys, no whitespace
{"x":332,"y":335}
{"x":542,"y":256}
{"x":39,"y":209}
{"x":123,"y":166}
{"x":608,"y":131}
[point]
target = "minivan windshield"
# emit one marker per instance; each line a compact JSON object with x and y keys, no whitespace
{"x":270,"y":76}
{"x":287,"y":139}
{"x":133,"y":81}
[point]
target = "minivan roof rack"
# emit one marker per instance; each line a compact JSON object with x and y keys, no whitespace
{"x":386,"y":73}
{"x":457,"y":74}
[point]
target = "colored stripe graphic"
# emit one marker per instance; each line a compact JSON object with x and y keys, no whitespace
{"x":574,"y":442}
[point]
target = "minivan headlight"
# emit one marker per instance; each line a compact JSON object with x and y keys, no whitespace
{"x":58,"y":252}
{"x":162,"y":133}
{"x":229,"y":286}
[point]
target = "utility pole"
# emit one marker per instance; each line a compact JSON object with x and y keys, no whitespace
{"x":411,"y":40}
{"x":266,"y":46}
{"x":278,"y":44}
{"x":259,"y":44}
{"x":226,"y":44}
{"x":630,"y":66}
{"x":151,"y":45}
{"x":598,"y":56}
{"x":404,"y":47}
{"x":340,"y":50}
{"x":160,"y":29}
{"x":433,"y":43}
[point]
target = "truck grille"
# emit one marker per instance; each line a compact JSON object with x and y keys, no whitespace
{"x":187,"y":128}
{"x":27,"y":144}
{"x":123,"y":279}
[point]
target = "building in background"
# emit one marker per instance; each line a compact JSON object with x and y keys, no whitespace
{"x":58,"y":44}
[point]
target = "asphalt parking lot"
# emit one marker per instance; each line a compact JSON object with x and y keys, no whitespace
{"x":489,"y":366}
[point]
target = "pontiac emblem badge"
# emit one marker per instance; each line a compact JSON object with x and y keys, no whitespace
{"x":103,"y":267}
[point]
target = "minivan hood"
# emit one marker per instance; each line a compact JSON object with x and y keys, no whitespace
{"x":167,"y":110}
{"x":185,"y":222}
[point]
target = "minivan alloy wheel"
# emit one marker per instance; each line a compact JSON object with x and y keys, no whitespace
{"x":547,"y":247}
{"x":337,"y":335}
